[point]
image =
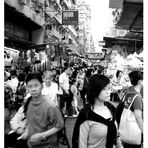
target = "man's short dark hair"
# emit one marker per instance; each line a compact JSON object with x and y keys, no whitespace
{"x":135,"y":76}
{"x":32,"y":76}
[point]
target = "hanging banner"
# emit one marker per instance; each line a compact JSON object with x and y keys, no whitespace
{"x":70,"y":17}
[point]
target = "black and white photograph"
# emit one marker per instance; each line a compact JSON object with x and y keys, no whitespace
{"x":73,"y":74}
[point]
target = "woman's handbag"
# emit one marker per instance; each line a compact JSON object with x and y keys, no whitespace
{"x":128,"y":128}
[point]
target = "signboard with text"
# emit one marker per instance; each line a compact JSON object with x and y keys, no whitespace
{"x":70,"y":17}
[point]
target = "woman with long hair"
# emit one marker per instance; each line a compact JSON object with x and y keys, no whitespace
{"x":95,"y":126}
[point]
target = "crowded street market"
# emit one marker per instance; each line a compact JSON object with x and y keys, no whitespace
{"x":64,"y":86}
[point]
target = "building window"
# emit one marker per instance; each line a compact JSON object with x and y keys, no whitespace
{"x":16,"y":32}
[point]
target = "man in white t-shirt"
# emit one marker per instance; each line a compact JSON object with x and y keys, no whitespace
{"x":50,"y":89}
{"x":64,"y":86}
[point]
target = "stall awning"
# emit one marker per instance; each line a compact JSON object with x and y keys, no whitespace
{"x":109,"y":41}
{"x":131,"y":17}
{"x":134,"y":35}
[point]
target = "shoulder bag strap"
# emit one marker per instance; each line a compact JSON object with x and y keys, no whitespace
{"x":26,"y":103}
{"x":123,"y":96}
{"x":132,"y":101}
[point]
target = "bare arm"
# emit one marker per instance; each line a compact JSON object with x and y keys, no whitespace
{"x":44,"y":135}
{"x":58,"y":124}
{"x":138,"y":116}
{"x":50,"y":132}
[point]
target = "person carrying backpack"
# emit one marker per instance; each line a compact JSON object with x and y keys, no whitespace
{"x":132,"y":98}
{"x":44,"y":119}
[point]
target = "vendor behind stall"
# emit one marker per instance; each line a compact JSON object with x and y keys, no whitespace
{"x":118,"y":83}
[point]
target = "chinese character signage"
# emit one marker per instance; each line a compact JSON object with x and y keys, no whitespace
{"x":69,"y":17}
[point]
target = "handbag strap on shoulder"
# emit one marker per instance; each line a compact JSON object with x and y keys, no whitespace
{"x":132,"y":101}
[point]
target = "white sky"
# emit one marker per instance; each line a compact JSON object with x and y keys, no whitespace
{"x":100,"y":18}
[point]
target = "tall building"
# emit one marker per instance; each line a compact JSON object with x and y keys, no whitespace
{"x":30,"y":25}
{"x":85,"y":36}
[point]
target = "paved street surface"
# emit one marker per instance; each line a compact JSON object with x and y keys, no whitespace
{"x":70,"y":122}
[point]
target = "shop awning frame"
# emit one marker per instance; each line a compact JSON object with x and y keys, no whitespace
{"x":131,"y":17}
{"x":110,"y":41}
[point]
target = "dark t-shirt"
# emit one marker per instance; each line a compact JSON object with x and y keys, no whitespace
{"x":138,"y":103}
{"x":42,"y":117}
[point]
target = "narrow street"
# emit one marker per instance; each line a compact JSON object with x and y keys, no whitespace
{"x":70,"y":122}
{"x":66,"y":53}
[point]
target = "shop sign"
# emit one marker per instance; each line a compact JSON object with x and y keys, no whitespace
{"x":115,"y":3}
{"x":117,"y":32}
{"x":70,"y":17}
{"x":101,"y":43}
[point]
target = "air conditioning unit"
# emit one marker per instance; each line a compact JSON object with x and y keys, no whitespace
{"x":50,"y":27}
{"x":22,"y":2}
{"x":37,"y":9}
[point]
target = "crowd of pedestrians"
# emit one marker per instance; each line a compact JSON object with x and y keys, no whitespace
{"x":44,"y":97}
